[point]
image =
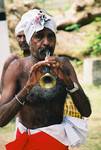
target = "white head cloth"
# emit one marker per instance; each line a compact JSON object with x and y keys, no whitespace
{"x":34,"y":21}
{"x":20,"y":26}
{"x":23,"y":22}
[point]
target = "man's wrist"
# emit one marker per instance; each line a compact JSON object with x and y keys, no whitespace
{"x":19,"y":101}
{"x":74,"y":89}
{"x":21,"y":96}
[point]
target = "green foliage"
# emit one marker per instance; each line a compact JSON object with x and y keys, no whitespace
{"x":98,"y":3}
{"x":66,"y":7}
{"x":73,"y":27}
{"x":40,"y":1}
{"x":95,"y":47}
{"x":97,"y":19}
{"x":9,"y":1}
{"x":78,"y":62}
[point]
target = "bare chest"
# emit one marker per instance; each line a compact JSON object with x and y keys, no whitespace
{"x":23,"y":78}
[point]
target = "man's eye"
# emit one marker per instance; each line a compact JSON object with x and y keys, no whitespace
{"x":19,"y":36}
{"x":39,"y":36}
{"x":51,"y":36}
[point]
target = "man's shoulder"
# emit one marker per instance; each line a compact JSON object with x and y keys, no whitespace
{"x":64,"y":59}
{"x":15,"y":65}
{"x":19,"y":64}
{"x":10,"y":59}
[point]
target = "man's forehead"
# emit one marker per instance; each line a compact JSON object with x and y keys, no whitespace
{"x":45,"y":30}
{"x":21,"y":33}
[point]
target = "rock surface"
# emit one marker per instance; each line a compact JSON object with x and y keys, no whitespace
{"x":73,"y":43}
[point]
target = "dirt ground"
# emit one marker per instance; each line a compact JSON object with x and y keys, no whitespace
{"x":6,"y":135}
{"x":2,"y":143}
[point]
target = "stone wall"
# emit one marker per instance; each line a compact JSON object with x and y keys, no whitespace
{"x":92,"y":71}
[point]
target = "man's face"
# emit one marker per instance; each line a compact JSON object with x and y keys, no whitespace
{"x":42,"y":42}
{"x":22,"y":41}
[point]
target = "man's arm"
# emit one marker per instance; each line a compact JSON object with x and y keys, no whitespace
{"x":79,"y":97}
{"x":6,"y":64}
{"x":10,"y":103}
{"x":9,"y":106}
{"x":64,"y":70}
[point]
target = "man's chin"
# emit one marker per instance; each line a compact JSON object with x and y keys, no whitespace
{"x":25,"y":49}
{"x":42,"y":57}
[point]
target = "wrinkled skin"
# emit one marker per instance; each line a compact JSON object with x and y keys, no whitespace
{"x":22,"y":43}
{"x":26,"y":52}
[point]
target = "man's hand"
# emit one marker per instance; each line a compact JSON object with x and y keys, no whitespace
{"x":57,"y":67}
{"x":60,"y":70}
{"x":36,"y":72}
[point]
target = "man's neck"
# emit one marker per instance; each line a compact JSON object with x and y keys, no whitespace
{"x":34,"y":59}
{"x":26,"y":53}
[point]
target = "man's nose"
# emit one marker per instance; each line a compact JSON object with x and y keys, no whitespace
{"x":22,"y":39}
{"x":46,"y":41}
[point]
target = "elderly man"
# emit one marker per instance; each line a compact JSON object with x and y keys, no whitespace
{"x":19,"y":32}
{"x":40,"y":123}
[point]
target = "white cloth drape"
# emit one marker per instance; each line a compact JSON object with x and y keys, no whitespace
{"x":72,"y":131}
